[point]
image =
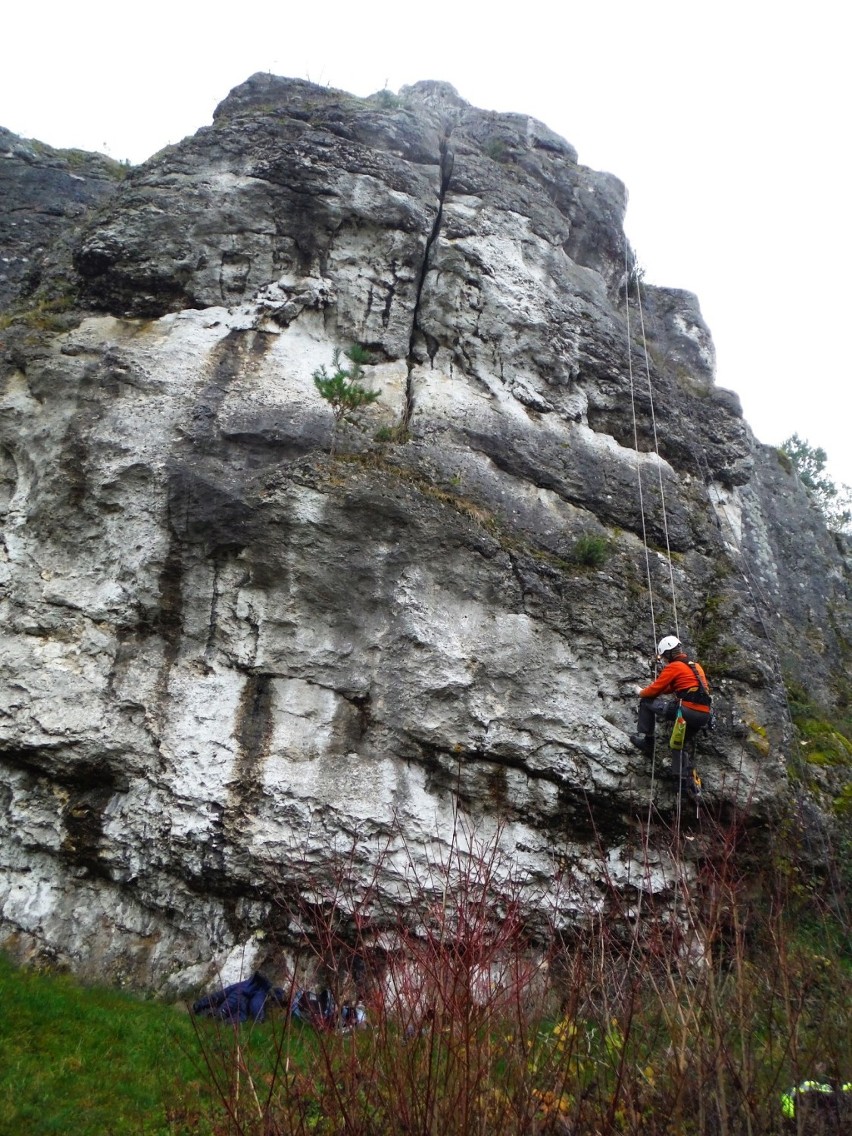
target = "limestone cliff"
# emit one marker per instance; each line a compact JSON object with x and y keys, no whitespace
{"x":223,"y":653}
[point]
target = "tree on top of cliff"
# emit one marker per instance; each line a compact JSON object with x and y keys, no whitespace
{"x":834,"y":501}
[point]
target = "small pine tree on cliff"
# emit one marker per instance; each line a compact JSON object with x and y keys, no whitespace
{"x":343,"y":390}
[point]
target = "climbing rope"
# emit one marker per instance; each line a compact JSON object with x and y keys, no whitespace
{"x":664,"y":509}
{"x":636,"y":446}
{"x":654,"y":434}
{"x":649,"y":581}
{"x":656,"y":450}
{"x":642,"y":514}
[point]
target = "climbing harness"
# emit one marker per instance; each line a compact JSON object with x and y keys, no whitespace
{"x":702,"y":697}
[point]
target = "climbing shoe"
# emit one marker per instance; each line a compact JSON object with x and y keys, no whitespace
{"x":643,"y":742}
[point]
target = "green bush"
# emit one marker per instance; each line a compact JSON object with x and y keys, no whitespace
{"x":591,"y":551}
{"x":394,"y":434}
{"x":495,"y":149}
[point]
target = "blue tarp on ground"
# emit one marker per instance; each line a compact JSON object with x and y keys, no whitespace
{"x":247,"y":1002}
{"x":242,"y":1001}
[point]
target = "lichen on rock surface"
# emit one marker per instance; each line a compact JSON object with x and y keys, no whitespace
{"x":223,"y":652}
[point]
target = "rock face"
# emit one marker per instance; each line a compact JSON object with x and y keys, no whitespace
{"x":42,"y":191}
{"x":225,"y":654}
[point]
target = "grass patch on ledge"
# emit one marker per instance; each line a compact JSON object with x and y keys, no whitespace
{"x":55,"y":313}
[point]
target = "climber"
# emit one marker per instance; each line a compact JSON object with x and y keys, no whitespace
{"x":687,"y":681}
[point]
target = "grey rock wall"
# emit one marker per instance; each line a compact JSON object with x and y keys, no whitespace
{"x":43,"y":191}
{"x":225,"y":655}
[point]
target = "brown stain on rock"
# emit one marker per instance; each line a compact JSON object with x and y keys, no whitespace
{"x":83,"y":818}
{"x":233,"y":358}
{"x":253,"y":735}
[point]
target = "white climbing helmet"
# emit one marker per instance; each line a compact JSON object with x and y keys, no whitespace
{"x":667,"y":644}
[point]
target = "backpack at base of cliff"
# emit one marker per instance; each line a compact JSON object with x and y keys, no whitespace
{"x":321,"y":1011}
{"x":318,"y":1010}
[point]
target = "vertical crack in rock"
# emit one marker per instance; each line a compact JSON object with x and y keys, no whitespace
{"x":214,"y":603}
{"x":8,"y":479}
{"x":171,"y":598}
{"x":363,"y":704}
{"x":73,"y":463}
{"x":446,"y":166}
{"x":170,"y":616}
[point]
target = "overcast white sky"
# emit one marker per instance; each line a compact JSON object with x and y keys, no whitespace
{"x":728,"y":122}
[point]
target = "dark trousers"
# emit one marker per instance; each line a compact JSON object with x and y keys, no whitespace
{"x":650,"y":709}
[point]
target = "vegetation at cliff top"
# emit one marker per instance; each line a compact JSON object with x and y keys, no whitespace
{"x":834,"y":501}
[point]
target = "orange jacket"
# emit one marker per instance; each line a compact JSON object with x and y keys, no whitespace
{"x":677,"y":678}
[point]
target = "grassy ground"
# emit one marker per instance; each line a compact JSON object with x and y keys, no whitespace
{"x":80,"y":1061}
